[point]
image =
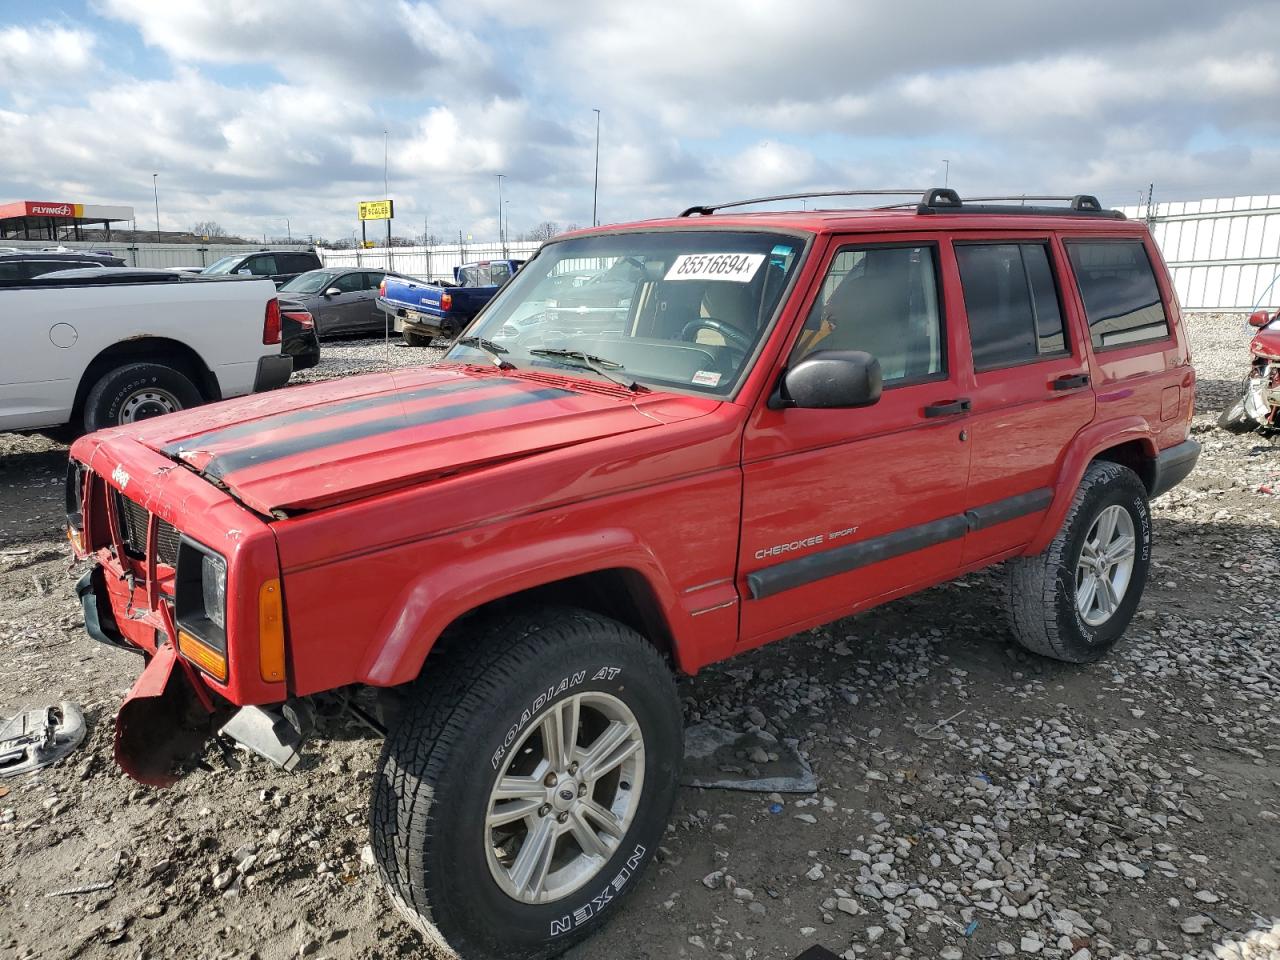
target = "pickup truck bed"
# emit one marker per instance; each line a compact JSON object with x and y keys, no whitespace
{"x":103,"y":346}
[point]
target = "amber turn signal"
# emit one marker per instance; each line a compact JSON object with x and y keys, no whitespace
{"x":271,"y":632}
{"x":203,"y":656}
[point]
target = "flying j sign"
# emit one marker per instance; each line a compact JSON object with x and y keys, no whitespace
{"x":63,"y":210}
{"x":377,"y":210}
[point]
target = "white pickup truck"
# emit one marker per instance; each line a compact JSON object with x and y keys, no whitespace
{"x":99,"y":347}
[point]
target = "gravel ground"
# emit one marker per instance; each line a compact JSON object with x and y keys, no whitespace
{"x":974,"y":801}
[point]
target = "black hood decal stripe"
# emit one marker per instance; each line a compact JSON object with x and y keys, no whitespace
{"x":321,"y":411}
{"x":222,"y":466}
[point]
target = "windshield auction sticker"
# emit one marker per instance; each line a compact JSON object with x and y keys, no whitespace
{"x":738,"y":267}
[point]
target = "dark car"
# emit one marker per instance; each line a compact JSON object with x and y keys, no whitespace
{"x":342,"y":300}
{"x":298,"y":335}
{"x":17,"y":266}
{"x":280,"y":265}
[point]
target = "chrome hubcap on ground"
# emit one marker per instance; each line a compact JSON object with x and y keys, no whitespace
{"x":564,"y":798}
{"x":1106,"y":565}
{"x":148,"y":403}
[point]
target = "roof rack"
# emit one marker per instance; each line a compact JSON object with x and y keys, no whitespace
{"x":944,"y":200}
{"x":706,"y":211}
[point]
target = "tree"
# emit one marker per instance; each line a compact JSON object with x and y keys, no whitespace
{"x":208,"y":228}
{"x":543,"y":231}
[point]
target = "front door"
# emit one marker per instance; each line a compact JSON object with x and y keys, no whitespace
{"x":1032,"y":393}
{"x":841,"y":507}
{"x":344,"y":310}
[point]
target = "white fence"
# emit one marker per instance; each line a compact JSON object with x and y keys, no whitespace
{"x":156,"y":254}
{"x":1224,"y":254}
{"x":434,"y":263}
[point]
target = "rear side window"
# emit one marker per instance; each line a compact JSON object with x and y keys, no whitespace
{"x":262,"y":266}
{"x":371,"y":280}
{"x":1118,"y":286}
{"x":299,"y":262}
{"x":1011,"y":302}
{"x":883,"y":300}
{"x":12,"y":270}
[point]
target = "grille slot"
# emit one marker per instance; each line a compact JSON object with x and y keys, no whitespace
{"x":133,"y":532}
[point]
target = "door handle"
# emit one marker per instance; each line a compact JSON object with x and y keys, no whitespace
{"x":1070,"y":381}
{"x":947,"y":409}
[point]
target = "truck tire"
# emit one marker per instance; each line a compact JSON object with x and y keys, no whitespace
{"x":137,"y":391}
{"x":416,"y":339}
{"x":1074,"y":601}
{"x":527,"y":871}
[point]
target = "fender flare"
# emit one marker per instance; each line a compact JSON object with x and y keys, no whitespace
{"x":1088,"y":443}
{"x":439,"y":595}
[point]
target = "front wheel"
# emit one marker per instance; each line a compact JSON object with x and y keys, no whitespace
{"x":1235,"y":419}
{"x":1074,"y":601}
{"x":528,"y":783}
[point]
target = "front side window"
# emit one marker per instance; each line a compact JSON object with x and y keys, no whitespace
{"x":884,"y":301}
{"x":674,"y":308}
{"x":1011,"y":302}
{"x":350,"y":282}
{"x":221,"y":267}
{"x":1118,"y":286}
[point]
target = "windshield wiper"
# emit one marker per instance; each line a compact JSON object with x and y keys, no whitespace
{"x":494,"y":351}
{"x":600,"y":365}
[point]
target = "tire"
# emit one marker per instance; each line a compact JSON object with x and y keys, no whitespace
{"x":137,"y":391}
{"x":415,"y":339}
{"x":478,"y":714}
{"x":1041,"y":591}
{"x":1234,"y":419}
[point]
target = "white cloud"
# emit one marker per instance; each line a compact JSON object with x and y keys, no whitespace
{"x":31,"y":56}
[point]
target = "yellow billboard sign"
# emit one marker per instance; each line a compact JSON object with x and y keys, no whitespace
{"x":377,"y":210}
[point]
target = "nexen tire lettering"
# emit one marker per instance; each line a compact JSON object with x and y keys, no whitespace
{"x":597,"y":903}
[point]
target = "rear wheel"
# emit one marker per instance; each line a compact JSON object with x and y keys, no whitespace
{"x":137,"y":391}
{"x":1074,"y":601}
{"x":528,"y":783}
{"x":416,"y":339}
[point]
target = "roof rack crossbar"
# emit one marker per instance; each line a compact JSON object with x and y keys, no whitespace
{"x":704,"y":211}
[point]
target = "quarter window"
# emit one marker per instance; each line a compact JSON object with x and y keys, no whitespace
{"x":884,"y":301}
{"x":1011,"y":302}
{"x":1118,"y":286}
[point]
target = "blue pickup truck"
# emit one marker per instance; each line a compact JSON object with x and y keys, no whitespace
{"x":423,"y":311}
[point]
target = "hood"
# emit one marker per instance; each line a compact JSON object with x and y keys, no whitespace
{"x":1266,"y":342}
{"x":315,"y":446}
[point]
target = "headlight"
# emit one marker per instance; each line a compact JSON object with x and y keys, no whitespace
{"x":75,"y":508}
{"x":213,"y":586}
{"x":200,"y":607}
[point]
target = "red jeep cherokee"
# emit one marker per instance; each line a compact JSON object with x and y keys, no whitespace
{"x":756,"y":423}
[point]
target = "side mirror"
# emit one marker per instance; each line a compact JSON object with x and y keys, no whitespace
{"x":1259,"y":318}
{"x":332,"y":292}
{"x":828,"y":379}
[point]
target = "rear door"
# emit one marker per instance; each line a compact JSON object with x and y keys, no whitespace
{"x":1031,"y":391}
{"x":842,"y":507}
{"x":377,"y":320}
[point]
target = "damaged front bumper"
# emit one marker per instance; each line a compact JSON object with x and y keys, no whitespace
{"x":169,"y":716}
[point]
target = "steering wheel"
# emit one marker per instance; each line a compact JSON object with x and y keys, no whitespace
{"x":732,"y":335}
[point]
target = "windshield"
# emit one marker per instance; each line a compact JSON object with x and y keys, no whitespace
{"x":313,"y":281}
{"x":219,"y":267}
{"x":676,"y":308}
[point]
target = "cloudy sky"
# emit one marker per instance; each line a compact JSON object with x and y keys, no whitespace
{"x":253,"y":111}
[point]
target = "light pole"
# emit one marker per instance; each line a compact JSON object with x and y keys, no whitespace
{"x":595,"y":183}
{"x":155,"y":189}
{"x":287,"y":228}
{"x":502,"y":242}
{"x":946,"y":176}
{"x":507,"y":228}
